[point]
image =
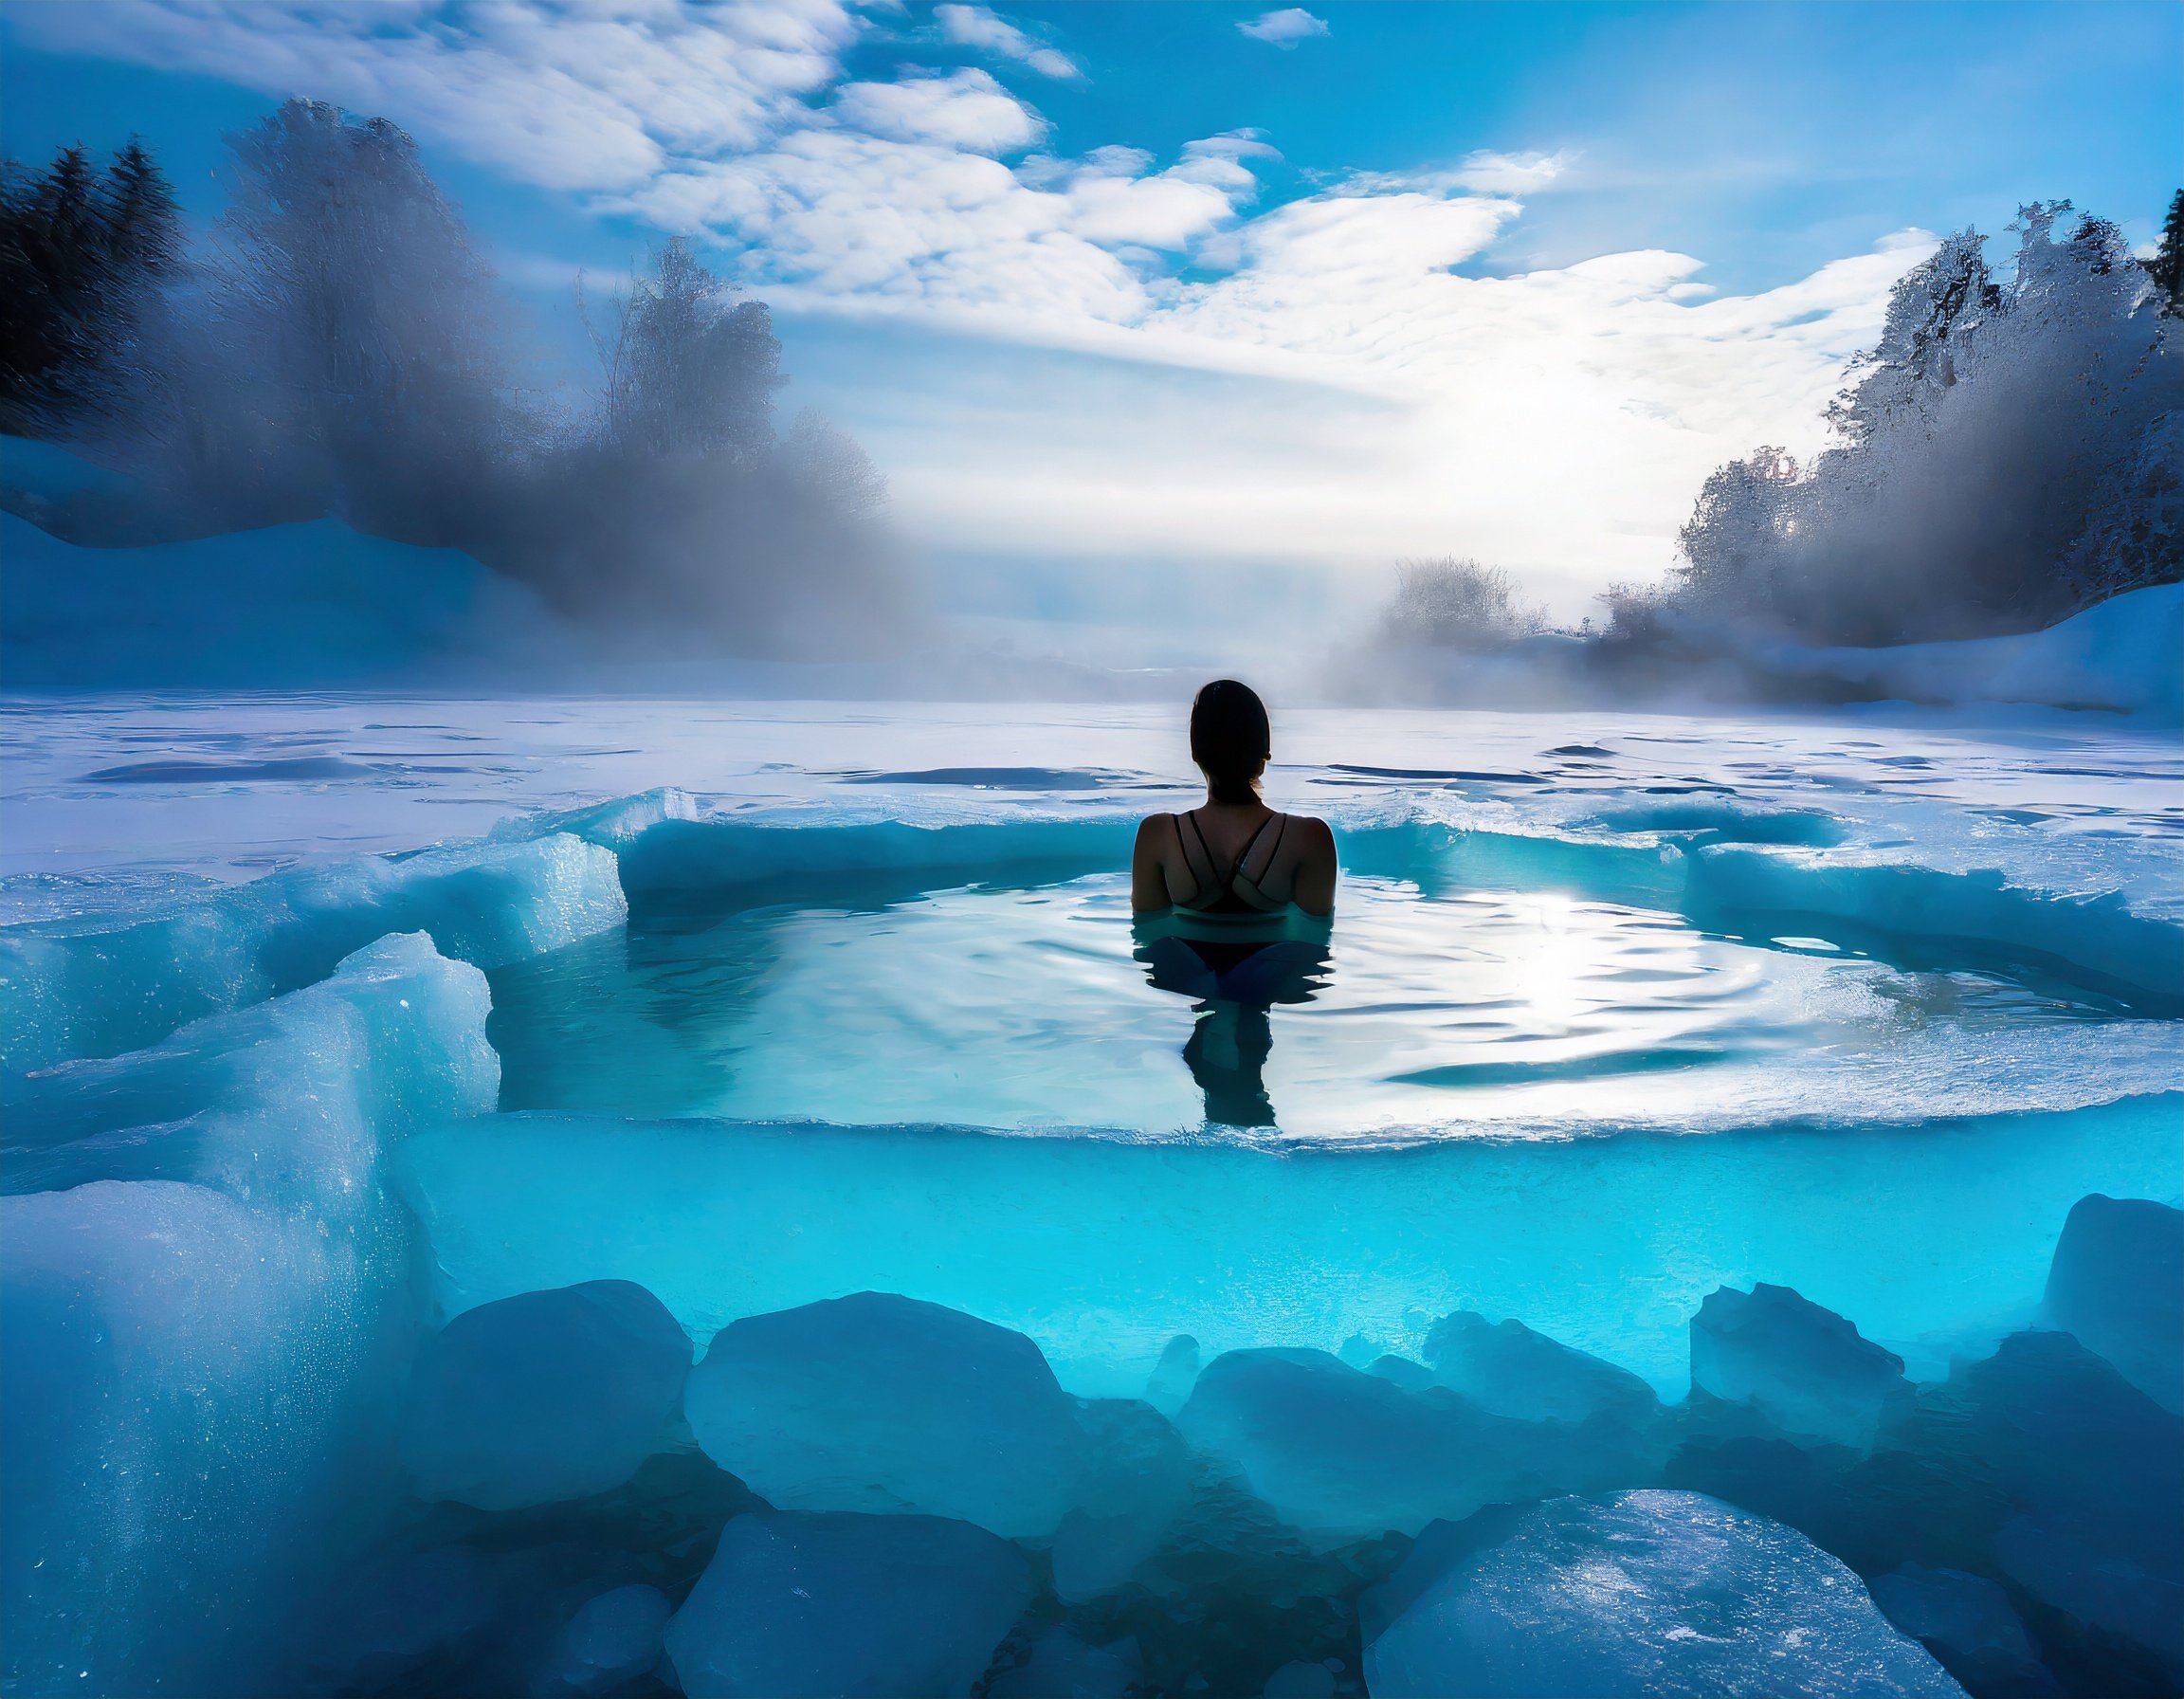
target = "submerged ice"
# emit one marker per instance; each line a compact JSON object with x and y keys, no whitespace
{"x":646,"y":1250}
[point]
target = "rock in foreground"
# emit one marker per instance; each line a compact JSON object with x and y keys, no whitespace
{"x":879,"y":1607}
{"x":1645,"y":1594}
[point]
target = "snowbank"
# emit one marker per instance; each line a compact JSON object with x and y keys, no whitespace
{"x":309,"y":605}
{"x":2125,"y":655}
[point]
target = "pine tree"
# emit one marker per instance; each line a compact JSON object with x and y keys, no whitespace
{"x":2167,"y":266}
{"x":143,"y":221}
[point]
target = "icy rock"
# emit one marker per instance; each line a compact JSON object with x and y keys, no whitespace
{"x":97,"y":986}
{"x":2117,"y":1284}
{"x":1135,"y":1481}
{"x":1173,"y":1375}
{"x":385,"y":1623}
{"x":1411,"y":1376}
{"x":612,"y":1639}
{"x":1063,"y":1667}
{"x":1966,"y":1621}
{"x":1300,"y":1681}
{"x":1342,"y":1455}
{"x":1804,"y":1368}
{"x":843,"y":1604}
{"x":2091,"y":1473}
{"x":1646,"y":1593}
{"x":543,"y":1397}
{"x":1506,"y":1369}
{"x":879,"y":1402}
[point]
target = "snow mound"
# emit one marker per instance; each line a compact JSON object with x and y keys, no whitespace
{"x":1646,"y":1593}
{"x":2126,"y":655}
{"x":94,"y":985}
{"x":306,"y":604}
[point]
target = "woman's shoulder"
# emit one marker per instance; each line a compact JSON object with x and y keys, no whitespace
{"x":1310,"y":828}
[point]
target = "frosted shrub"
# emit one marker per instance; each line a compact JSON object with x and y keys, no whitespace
{"x":1448,"y":603}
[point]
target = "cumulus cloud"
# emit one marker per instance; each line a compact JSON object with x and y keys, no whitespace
{"x":978,"y":26}
{"x":598,"y":96}
{"x":967,"y":110}
{"x":1284,"y":28}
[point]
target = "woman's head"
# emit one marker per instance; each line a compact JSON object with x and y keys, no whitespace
{"x":1231,"y":739}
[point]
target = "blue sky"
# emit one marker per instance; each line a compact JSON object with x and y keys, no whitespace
{"x":1115,"y":289}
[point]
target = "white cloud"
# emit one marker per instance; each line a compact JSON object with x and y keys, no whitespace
{"x":967,"y":110}
{"x":1284,"y":28}
{"x":977,"y":27}
{"x":596,"y":95}
{"x":1511,"y":174}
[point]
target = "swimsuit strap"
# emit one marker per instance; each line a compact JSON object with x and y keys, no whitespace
{"x":1239,"y":887}
{"x":1208,"y":883}
{"x":1243,"y":886}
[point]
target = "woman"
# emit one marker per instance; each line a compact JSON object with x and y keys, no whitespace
{"x":1232,"y":854}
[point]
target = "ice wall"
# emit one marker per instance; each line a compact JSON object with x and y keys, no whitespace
{"x":199,"y":1345}
{"x":98,"y":984}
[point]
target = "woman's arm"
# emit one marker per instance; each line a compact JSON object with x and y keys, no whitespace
{"x":1148,"y":877}
{"x":1313,"y":889}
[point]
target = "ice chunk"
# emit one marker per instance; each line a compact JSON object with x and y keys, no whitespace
{"x":826,"y":1605}
{"x":1804,"y":1368}
{"x":97,"y":985}
{"x":1173,"y":1375}
{"x":1966,"y":1621}
{"x":879,"y":1402}
{"x":1063,"y":1667}
{"x":614,"y":1638}
{"x":1135,"y":1480}
{"x":1343,"y":1454}
{"x":1508,"y":1369}
{"x":2117,"y":1285}
{"x":1300,"y":1681}
{"x":2091,"y":1475}
{"x":188,"y":1351}
{"x":1644,"y":1593}
{"x":543,"y":1397}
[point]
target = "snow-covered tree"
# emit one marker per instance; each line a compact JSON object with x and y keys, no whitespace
{"x":1458,"y":604}
{"x":2003,"y":454}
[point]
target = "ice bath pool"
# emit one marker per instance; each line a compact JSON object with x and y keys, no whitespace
{"x":342,"y":1033}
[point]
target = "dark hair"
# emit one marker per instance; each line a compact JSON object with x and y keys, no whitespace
{"x":1231,"y":739}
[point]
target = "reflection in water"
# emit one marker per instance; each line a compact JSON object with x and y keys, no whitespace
{"x":1233,"y":971}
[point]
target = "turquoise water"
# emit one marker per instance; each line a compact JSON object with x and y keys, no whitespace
{"x":1420,"y":1013}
